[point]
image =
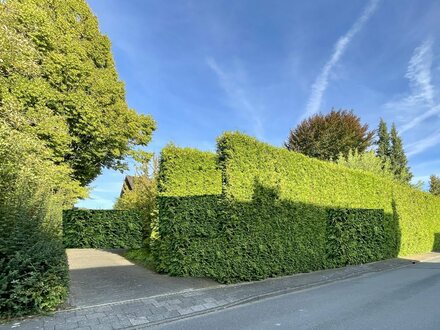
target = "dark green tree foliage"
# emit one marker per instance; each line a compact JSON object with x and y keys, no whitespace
{"x":398,"y":160}
{"x":390,"y":150}
{"x":57,"y":70}
{"x":383,"y":142}
{"x":434,"y":185}
{"x":102,"y":229}
{"x":269,"y":214}
{"x":326,"y":136}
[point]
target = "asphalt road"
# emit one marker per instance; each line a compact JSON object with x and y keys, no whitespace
{"x":405,"y":298}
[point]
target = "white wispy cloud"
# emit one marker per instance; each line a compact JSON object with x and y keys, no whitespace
{"x":419,"y":75}
{"x":321,"y":82}
{"x":421,"y":103}
{"x":413,"y":122}
{"x":422,"y":95}
{"x":237,"y":95}
{"x":421,"y":145}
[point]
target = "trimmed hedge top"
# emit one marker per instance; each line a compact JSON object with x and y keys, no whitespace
{"x":188,"y":172}
{"x":104,"y":229}
{"x":246,"y":161}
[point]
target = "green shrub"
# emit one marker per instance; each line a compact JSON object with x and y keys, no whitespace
{"x":33,"y":278}
{"x":33,"y":264}
{"x":102,"y":229}
{"x":278,"y":212}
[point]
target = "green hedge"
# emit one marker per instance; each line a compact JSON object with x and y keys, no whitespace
{"x":34,"y":191}
{"x":182,"y":172}
{"x":102,"y":229}
{"x":355,"y":236}
{"x":33,"y":264}
{"x":413,"y":216}
{"x":207,"y":236}
{"x":419,"y":220}
{"x":191,"y":234}
{"x":278,"y":212}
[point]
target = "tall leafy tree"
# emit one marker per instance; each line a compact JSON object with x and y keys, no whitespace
{"x":398,"y":160}
{"x":143,"y":195}
{"x":366,"y":161}
{"x":326,"y":136}
{"x":57,"y":70}
{"x":34,"y":191}
{"x":434,"y":185}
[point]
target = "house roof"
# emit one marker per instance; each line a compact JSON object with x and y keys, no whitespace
{"x":128,"y":184}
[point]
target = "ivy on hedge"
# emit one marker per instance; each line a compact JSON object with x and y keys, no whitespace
{"x":102,"y":229}
{"x":278,"y":212}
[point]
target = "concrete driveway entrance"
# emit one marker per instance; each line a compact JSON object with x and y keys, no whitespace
{"x":104,"y":276}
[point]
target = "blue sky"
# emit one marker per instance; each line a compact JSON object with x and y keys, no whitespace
{"x":204,"y":67}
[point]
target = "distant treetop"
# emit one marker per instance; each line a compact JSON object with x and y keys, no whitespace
{"x":327,"y":136}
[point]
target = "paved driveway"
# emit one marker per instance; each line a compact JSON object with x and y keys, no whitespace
{"x":104,"y":276}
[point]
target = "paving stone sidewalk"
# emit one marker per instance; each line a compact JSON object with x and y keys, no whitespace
{"x":146,"y":312}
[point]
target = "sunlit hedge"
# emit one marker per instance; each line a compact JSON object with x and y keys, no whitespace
{"x":276,"y":212}
{"x":416,"y":214}
{"x":188,"y":172}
